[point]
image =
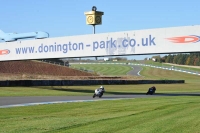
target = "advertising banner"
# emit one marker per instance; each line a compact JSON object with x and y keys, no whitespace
{"x":150,"y":41}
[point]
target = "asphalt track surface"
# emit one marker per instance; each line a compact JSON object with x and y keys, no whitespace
{"x":36,"y":99}
{"x":136,"y":71}
{"x":6,"y":102}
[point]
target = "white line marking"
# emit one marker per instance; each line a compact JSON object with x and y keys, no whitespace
{"x":56,"y":102}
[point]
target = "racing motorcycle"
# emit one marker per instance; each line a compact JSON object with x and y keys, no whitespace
{"x":98,"y":92}
{"x":151,"y":90}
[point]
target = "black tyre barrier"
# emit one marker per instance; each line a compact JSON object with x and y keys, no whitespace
{"x":15,"y":83}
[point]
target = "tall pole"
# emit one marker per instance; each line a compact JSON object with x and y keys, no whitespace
{"x":93,"y":28}
{"x":94,"y":33}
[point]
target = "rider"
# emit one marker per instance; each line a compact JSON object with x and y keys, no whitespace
{"x":154,"y":88}
{"x":102,"y":88}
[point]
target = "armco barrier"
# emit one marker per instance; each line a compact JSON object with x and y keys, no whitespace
{"x":15,"y":83}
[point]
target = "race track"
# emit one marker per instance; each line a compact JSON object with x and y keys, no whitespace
{"x":37,"y":99}
{"x":6,"y":102}
{"x":20,"y":101}
{"x":136,"y":71}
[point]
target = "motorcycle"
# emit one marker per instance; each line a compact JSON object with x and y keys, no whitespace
{"x":98,"y":93}
{"x":151,"y":91}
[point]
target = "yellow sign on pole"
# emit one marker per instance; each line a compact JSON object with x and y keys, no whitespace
{"x":94,"y":17}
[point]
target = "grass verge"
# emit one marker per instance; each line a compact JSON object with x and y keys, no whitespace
{"x":89,"y":90}
{"x":168,"y":114}
{"x":105,"y":69}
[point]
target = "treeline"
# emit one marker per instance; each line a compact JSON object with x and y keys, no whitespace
{"x":181,"y":59}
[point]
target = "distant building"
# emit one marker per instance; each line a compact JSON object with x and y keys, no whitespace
{"x":106,"y":59}
{"x":154,"y":59}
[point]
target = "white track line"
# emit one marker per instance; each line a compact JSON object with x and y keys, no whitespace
{"x":56,"y":102}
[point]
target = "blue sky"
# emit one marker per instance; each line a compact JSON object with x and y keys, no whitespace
{"x":66,"y":17}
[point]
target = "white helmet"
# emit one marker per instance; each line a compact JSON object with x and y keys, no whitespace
{"x":101,"y":87}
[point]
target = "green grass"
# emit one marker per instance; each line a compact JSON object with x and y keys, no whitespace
{"x":119,"y":61}
{"x":142,"y":115}
{"x":192,"y":85}
{"x":154,"y":73}
{"x":105,"y":69}
{"x":170,"y":65}
{"x":89,"y":90}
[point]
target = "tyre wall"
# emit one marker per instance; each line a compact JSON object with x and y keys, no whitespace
{"x":15,"y":83}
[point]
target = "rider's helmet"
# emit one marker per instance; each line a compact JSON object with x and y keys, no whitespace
{"x":101,"y":87}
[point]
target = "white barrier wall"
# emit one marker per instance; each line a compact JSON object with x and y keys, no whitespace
{"x":150,"y":41}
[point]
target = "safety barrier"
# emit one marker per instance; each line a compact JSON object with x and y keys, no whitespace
{"x":15,"y":83}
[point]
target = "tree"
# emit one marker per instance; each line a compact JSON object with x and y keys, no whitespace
{"x":175,"y":60}
{"x":188,"y":61}
{"x":170,"y":58}
{"x":158,"y":58}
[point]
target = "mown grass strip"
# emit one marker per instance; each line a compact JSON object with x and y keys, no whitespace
{"x":168,"y":114}
{"x":105,"y":69}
